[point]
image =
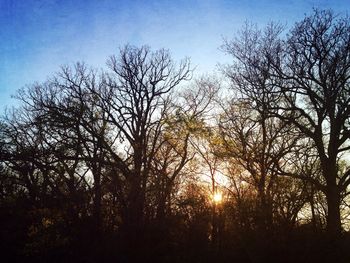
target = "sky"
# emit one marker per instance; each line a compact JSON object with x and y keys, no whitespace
{"x":39,"y":36}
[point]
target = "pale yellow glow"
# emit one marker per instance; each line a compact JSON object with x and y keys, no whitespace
{"x":217,"y":197}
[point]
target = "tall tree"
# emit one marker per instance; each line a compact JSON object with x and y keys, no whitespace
{"x":254,"y":141}
{"x":309,"y":73}
{"x":134,"y":97}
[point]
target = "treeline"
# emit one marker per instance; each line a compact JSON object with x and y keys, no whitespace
{"x":128,"y":164}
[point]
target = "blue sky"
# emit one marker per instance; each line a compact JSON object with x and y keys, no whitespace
{"x":36,"y":37}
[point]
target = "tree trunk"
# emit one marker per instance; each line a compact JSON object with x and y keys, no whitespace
{"x":333,"y":217}
{"x":97,"y":205}
{"x":214,"y":230}
{"x":134,"y":219}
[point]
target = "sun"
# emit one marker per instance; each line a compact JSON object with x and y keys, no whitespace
{"x":217,"y":197}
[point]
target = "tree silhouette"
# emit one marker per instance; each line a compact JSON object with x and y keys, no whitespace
{"x":308,"y":87}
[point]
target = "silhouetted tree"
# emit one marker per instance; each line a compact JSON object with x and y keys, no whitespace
{"x":308,"y":75}
{"x":134,"y":96}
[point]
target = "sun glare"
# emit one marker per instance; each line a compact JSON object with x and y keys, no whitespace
{"x":217,"y":197}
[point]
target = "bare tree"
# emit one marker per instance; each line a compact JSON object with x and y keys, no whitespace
{"x":309,"y":79}
{"x":316,"y":98}
{"x":255,"y":142}
{"x":134,"y":97}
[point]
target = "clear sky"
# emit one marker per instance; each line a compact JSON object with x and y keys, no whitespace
{"x":37,"y":36}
